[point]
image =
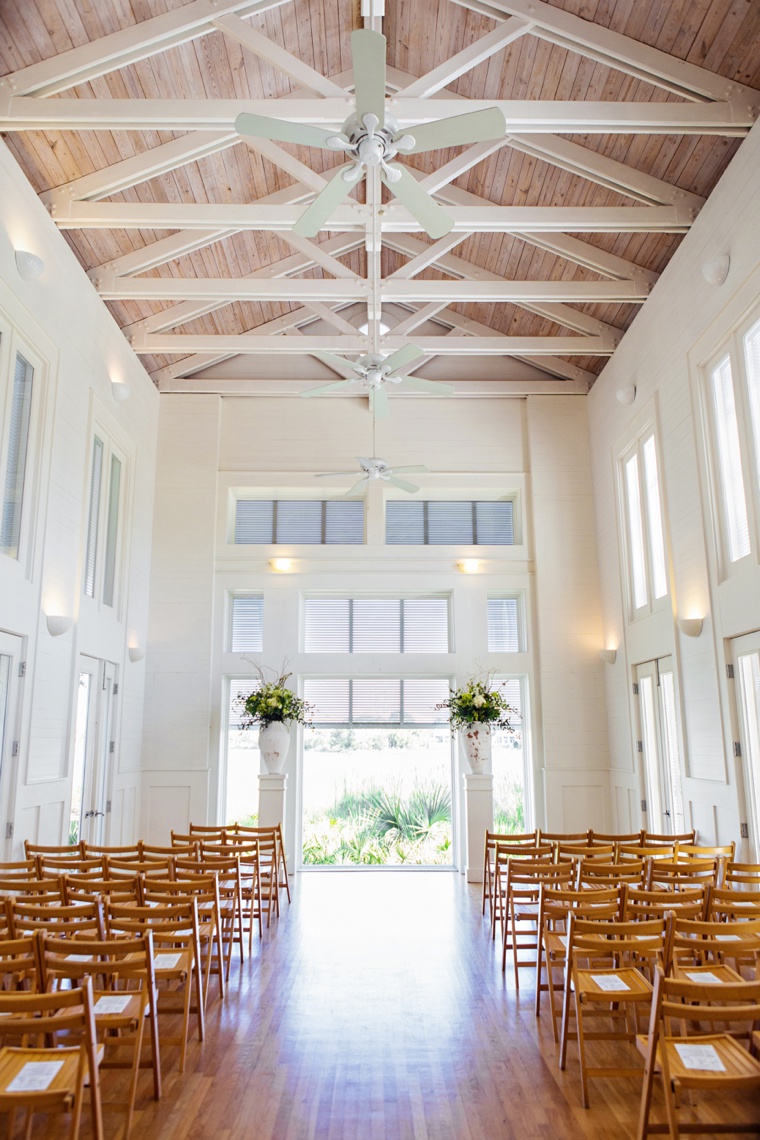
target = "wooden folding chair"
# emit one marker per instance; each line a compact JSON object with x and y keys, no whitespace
{"x":664,"y":874}
{"x":124,"y":989}
{"x":50,"y":890}
{"x":650,"y":838}
{"x":204,"y":889}
{"x":637,"y":851}
{"x":95,"y":851}
{"x":689,"y":902}
{"x":520,"y":928}
{"x":616,"y":837}
{"x":71,"y":850}
{"x":227,"y":873}
{"x":75,"y":920}
{"x":611,"y":987}
{"x":701,"y":948}
{"x":19,"y":868}
{"x":503,"y":854}
{"x":593,"y":873}
{"x":242,"y":830}
{"x":715,"y":1064}
{"x":728,"y":904}
{"x":742,"y":876}
{"x":248,"y":852}
{"x":19,"y":964}
{"x":84,"y":888}
{"x":40,"y":1017}
{"x":492,"y":838}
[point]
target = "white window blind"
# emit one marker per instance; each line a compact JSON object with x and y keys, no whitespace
{"x":752,"y":358}
{"x":504,"y":626}
{"x":240,"y":688}
{"x":512,"y":690}
{"x":299,"y":521}
{"x":456,"y":523}
{"x":654,"y":519}
{"x":247,"y":625}
{"x":376,"y":701}
{"x":636,"y":533}
{"x":92,"y":524}
{"x":15,"y":467}
{"x":729,"y":461}
{"x":112,"y":525}
{"x":376,"y":625}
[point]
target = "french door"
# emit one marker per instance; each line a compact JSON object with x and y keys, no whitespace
{"x":10,"y":660}
{"x":93,"y":750}
{"x":660,"y":747}
{"x":746,"y":660}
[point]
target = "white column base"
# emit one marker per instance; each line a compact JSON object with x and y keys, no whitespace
{"x":478,"y":796}
{"x":272,"y":788}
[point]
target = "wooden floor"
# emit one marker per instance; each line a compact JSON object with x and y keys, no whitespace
{"x":376,"y":1010}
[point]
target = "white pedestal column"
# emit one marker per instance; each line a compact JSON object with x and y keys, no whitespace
{"x":478,"y":799}
{"x":272,"y":799}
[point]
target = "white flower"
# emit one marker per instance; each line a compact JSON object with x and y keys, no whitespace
{"x":479,"y":701}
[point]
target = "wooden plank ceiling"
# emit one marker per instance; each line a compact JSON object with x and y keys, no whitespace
{"x":640,"y":158}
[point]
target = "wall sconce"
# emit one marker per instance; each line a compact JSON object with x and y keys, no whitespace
{"x":715,"y":272}
{"x":468,"y":566}
{"x":136,"y":653}
{"x":58,"y":624}
{"x":608,"y":656}
{"x":29,"y":265}
{"x":282,"y":565}
{"x":626,"y":395}
{"x":120,"y":391}
{"x":690,"y":627}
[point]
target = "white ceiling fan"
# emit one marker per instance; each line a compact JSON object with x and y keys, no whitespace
{"x":375,"y":372}
{"x":371,"y":138}
{"x":375,"y":468}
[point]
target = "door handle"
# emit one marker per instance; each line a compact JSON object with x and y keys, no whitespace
{"x":89,"y":814}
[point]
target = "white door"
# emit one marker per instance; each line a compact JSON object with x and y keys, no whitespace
{"x":659,"y":744}
{"x":93,"y":751}
{"x":746,"y":655}
{"x":10,"y":663}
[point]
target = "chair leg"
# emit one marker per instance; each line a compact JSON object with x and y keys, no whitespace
{"x":566,"y":1003}
{"x":136,"y":1051}
{"x":646,"y":1101}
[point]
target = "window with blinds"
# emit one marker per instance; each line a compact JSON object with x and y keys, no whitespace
{"x":376,"y":701}
{"x":641,"y":503}
{"x":17,"y":445}
{"x":505,"y":625}
{"x":376,"y":625}
{"x":112,"y":532}
{"x":104,"y":522}
{"x":247,"y":624}
{"x":752,"y":364}
{"x":299,"y":521}
{"x":91,"y":555}
{"x":736,"y":522}
{"x":455,"y":523}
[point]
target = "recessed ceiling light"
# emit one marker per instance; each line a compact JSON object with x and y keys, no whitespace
{"x":382,"y":328}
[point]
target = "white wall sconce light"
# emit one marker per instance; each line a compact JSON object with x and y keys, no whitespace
{"x":715,"y":272}
{"x":282,"y":565}
{"x":136,"y":653}
{"x":58,"y":624}
{"x":120,"y":391}
{"x":690,"y":627}
{"x":608,"y":656}
{"x":29,"y":265}
{"x":468,"y":566}
{"x":626,"y":395}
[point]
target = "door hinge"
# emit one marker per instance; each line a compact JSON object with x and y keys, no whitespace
{"x":744,"y":830}
{"x":635,"y":689}
{"x":643,"y":805}
{"x":115,"y":689}
{"x":9,"y":831}
{"x":639,"y":745}
{"x":108,"y":806}
{"x":15,"y":748}
{"x":112,"y":748}
{"x":737,"y":748}
{"x":730,"y":672}
{"x":22,"y":668}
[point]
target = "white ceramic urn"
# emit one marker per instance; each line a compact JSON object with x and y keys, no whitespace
{"x":476,"y":744}
{"x":274,"y":742}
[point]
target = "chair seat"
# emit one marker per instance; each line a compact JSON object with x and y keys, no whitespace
{"x":739,"y":1067}
{"x":58,"y":1093}
{"x":623,"y":985}
{"x":706,"y":973}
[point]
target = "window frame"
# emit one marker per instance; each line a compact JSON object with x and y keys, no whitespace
{"x":517,"y":596}
{"x":232,"y":597}
{"x":12,"y":345}
{"x":513,"y":498}
{"x":634,"y":448}
{"x":275,"y":499}
{"x":378,"y":595}
{"x":104,"y":554}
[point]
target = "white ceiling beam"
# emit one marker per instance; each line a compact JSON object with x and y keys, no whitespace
{"x":21,"y":113}
{"x":616,"y":50}
{"x":478,"y":219}
{"x":287,"y":162}
{"x":278,"y":57}
{"x":461,"y":164}
{"x":494,"y":41}
{"x":254,"y":343}
{"x":190,"y":310}
{"x":319,"y":255}
{"x":468,"y":389}
{"x":331,"y":317}
{"x":417,"y":318}
{"x":142,"y":167}
{"x":355,"y":289}
{"x":130,"y":45}
{"x":427,"y":255}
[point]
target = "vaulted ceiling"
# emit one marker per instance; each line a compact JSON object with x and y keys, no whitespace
{"x":621,"y":115}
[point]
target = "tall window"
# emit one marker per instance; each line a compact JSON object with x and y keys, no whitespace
{"x":729,"y":457}
{"x":15,"y":449}
{"x":247,"y":624}
{"x":506,"y":626}
{"x":103,"y":523}
{"x":644,"y":534}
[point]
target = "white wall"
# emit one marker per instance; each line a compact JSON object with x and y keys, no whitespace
{"x":210,"y":447}
{"x":78,"y":350}
{"x":684,"y":322}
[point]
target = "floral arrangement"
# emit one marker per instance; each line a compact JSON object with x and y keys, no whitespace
{"x":478,"y":703}
{"x":273,"y":701}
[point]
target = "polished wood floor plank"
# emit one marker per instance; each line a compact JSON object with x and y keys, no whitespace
{"x":376,"y":1009}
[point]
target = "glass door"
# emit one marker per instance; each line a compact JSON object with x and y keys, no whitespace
{"x":10,"y":659}
{"x":93,"y":750}
{"x":746,"y":655}
{"x":660,"y":747}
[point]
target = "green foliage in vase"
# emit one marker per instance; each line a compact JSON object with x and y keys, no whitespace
{"x":479,"y":703}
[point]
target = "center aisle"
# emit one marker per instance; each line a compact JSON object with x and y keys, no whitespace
{"x":376,"y":1010}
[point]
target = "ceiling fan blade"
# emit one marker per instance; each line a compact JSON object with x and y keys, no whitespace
{"x":435,"y":221}
{"x":315,"y":216}
{"x":402,"y":483}
{"x":279,"y":130}
{"x":326,"y":388}
{"x":339,"y":363}
{"x":368,"y":51}
{"x":421,"y":385}
{"x":401,"y":358}
{"x":458,"y":130}
{"x":378,"y":402}
{"x":333,"y":474}
{"x":414,"y":467}
{"x":356,"y":486}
